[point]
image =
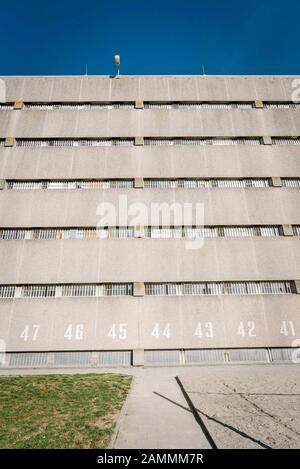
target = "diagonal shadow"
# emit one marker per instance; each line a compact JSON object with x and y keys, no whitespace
{"x":239,"y":432}
{"x":229,"y":427}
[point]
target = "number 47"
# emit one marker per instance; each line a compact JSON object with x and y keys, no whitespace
{"x":26,"y":333}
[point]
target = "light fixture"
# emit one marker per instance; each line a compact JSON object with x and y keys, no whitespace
{"x":117,"y":65}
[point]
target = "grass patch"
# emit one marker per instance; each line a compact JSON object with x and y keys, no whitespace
{"x":60,"y":411}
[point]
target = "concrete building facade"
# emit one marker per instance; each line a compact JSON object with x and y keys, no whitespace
{"x":73,"y":292}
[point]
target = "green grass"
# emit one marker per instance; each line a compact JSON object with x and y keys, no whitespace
{"x":60,"y":411}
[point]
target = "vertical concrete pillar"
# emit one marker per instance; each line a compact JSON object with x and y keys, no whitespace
{"x":138,"y":289}
{"x":138,"y":357}
{"x":276,"y":182}
{"x":287,"y":230}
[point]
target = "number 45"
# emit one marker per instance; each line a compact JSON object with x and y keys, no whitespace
{"x":118,"y":331}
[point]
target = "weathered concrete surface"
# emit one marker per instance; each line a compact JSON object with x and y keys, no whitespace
{"x":255,"y":406}
{"x":149,"y":88}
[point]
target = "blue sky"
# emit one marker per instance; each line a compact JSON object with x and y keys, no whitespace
{"x":156,"y":37}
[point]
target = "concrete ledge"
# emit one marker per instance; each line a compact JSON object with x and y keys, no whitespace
{"x":138,"y":183}
{"x":139,"y":104}
{"x":18,"y":105}
{"x":267,"y":140}
{"x":138,"y":357}
{"x":138,"y":289}
{"x":287,"y":230}
{"x":276,"y":182}
{"x":297,"y":285}
{"x":9,"y":142}
{"x":259,"y":104}
{"x":139,"y":141}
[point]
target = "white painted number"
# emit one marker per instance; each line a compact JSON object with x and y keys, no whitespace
{"x":30,"y":333}
{"x":247,"y":329}
{"x":164,"y":331}
{"x":204,"y":330}
{"x":118,"y":331}
{"x":74,"y":332}
{"x":287,"y":328}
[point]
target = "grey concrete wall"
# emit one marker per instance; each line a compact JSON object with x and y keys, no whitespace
{"x":160,"y":322}
{"x":149,"y":123}
{"x":149,"y":260}
{"x":146,"y":161}
{"x":149,"y":88}
{"x":165,"y":322}
{"x":46,"y":208}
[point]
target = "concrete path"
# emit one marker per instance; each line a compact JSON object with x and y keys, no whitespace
{"x":156,"y":414}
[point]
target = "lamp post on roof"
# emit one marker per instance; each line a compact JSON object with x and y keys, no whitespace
{"x":117,"y":65}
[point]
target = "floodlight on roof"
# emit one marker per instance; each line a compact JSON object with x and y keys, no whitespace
{"x":117,"y":65}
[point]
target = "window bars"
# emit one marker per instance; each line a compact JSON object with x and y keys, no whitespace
{"x":72,"y":290}
{"x":74,"y":142}
{"x":70,"y":184}
{"x":153,"y":232}
{"x":292,"y":183}
{"x":149,"y":105}
{"x":197,"y":183}
{"x":154,"y":141}
{"x":202,"y":141}
{"x":219,"y":288}
{"x":206,"y":183}
{"x":151,"y":289}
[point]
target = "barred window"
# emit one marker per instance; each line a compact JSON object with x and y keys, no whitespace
{"x":79,"y":290}
{"x":7,"y":291}
{"x":219,"y":288}
{"x":97,"y":142}
{"x":296,"y":230}
{"x":285,"y":141}
{"x":154,"y":232}
{"x":12,"y":234}
{"x":38,"y":291}
{"x":121,"y":289}
{"x":158,"y":289}
{"x":206,"y":183}
{"x":78,"y":106}
{"x":44,"y":234}
{"x":70,"y":184}
{"x":293,"y":183}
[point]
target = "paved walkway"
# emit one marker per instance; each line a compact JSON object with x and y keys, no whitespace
{"x":156,"y":414}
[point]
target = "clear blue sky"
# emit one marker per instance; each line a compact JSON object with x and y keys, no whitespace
{"x":156,"y":37}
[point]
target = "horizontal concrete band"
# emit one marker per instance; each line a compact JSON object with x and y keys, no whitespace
{"x":149,"y":88}
{"x":146,"y":161}
{"x":85,"y":208}
{"x":150,"y":323}
{"x":87,"y":261}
